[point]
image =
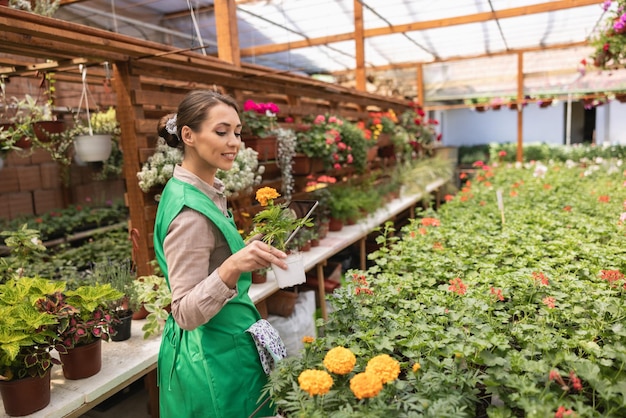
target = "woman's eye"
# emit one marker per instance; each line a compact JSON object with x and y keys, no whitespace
{"x":221,"y":133}
{"x":238,"y":134}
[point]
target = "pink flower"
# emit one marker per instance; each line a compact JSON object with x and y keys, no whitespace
{"x":319,"y":119}
{"x":337,"y":166}
{"x":502,"y":153}
{"x":622,"y":217}
{"x":289,"y":119}
{"x":332,"y":119}
{"x":349,"y":159}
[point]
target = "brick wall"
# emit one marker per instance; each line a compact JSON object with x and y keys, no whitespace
{"x":31,"y":184}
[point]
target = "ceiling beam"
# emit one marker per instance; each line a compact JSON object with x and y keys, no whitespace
{"x":416,"y":26}
{"x":413,"y":64}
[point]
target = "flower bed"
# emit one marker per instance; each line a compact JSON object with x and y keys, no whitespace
{"x":487,"y":315}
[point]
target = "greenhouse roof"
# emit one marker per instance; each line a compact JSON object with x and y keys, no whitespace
{"x":464,"y":48}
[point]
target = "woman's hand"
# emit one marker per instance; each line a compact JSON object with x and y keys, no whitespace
{"x":256,"y":255}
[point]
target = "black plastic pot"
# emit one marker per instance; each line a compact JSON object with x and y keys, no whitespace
{"x":123,"y":328}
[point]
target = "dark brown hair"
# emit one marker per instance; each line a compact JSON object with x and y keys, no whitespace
{"x":192,"y":111}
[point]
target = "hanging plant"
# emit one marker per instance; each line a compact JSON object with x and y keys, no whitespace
{"x":286,"y":150}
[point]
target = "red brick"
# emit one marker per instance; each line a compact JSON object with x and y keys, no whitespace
{"x":29,"y":177}
{"x":8,"y":180}
{"x":50,"y":176}
{"x":47,"y":200}
{"x":20,"y":204}
{"x":40,"y":156}
{"x":4,"y":207}
{"x":21,"y":157}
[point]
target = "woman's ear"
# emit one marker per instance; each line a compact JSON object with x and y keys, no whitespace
{"x":187,"y":136}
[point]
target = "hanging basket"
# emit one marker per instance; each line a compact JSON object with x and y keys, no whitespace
{"x":44,"y":128}
{"x":92,"y":148}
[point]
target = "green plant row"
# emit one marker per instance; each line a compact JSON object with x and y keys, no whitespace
{"x":507,"y":152}
{"x":489,"y":312}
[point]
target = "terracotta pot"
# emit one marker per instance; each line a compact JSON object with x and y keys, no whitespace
{"x":384,"y":139}
{"x":25,"y":396}
{"x":141,"y":313}
{"x":44,"y":128}
{"x":82,"y":361}
{"x":259,"y":277}
{"x":306,"y":246}
{"x":372,"y":153}
{"x":304,"y":165}
{"x":335,"y":224}
{"x":266,"y":147}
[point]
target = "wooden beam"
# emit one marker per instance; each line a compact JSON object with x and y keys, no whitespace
{"x":359,"y":46}
{"x":421,"y":97}
{"x":417,"y":26}
{"x":227,"y":32}
{"x":520,"y":112}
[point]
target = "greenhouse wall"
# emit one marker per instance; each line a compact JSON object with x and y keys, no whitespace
{"x":611,"y":124}
{"x":469,"y":127}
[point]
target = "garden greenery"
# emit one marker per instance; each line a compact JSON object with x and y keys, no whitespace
{"x":489,"y":312}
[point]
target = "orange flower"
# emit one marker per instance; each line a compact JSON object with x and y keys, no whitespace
{"x":307,"y":339}
{"x":416,"y":367}
{"x":339,"y":360}
{"x":365,"y":385}
{"x":265,"y":194}
{"x":315,"y":382}
{"x":383,"y":366}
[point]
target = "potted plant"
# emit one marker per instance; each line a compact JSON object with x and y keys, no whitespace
{"x":342,"y":207}
{"x":155,"y":296}
{"x":259,"y":121}
{"x":121,"y":277}
{"x":85,"y":320}
{"x":275,"y":223}
{"x":27,"y":337}
{"x":320,"y":141}
{"x":93,"y":136}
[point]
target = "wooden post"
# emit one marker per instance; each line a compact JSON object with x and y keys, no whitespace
{"x":227,"y":31}
{"x":520,"y":98}
{"x":359,"y":46}
{"x":127,"y":113}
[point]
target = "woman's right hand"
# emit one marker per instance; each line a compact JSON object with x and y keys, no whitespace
{"x":254,"y":256}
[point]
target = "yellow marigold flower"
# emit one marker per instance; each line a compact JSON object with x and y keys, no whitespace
{"x":365,"y":385}
{"x":339,"y":360}
{"x":307,"y":339}
{"x":265,"y":194}
{"x":384,"y":367}
{"x":416,"y":367}
{"x":315,"y":382}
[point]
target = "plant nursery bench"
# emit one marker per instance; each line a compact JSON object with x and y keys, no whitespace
{"x":124,"y":362}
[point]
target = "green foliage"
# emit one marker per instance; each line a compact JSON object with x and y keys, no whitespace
{"x":155,"y":295}
{"x":354,"y":137}
{"x":505,"y":318}
{"x":26,"y":335}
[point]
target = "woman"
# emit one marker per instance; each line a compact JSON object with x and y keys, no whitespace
{"x":208,"y":364}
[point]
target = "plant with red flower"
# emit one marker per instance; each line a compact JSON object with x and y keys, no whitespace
{"x":259,"y":119}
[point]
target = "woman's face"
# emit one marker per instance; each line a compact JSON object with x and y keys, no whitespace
{"x":217,"y":142}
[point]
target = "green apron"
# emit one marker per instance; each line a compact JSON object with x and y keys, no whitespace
{"x":213,"y":371}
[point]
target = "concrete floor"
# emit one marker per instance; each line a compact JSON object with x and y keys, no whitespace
{"x":130,"y":402}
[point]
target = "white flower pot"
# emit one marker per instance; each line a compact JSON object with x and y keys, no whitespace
{"x":90,"y":148}
{"x":294,"y":274}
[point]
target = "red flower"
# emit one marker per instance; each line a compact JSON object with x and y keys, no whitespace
{"x":457,"y":286}
{"x":562,"y":412}
{"x":611,"y":276}
{"x":575,"y":381}
{"x":448,"y":197}
{"x":567,"y":208}
{"x":497,"y":293}
{"x":549,"y":301}
{"x":604,"y":199}
{"x":502,"y":153}
{"x":539,"y":276}
{"x":430,"y":222}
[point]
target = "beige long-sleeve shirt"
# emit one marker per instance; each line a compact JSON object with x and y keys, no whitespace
{"x":194,"y":248}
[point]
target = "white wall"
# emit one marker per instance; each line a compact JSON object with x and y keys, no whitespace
{"x":468,"y":127}
{"x":611,"y":123}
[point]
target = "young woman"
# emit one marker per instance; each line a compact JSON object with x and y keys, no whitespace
{"x":209,"y":364}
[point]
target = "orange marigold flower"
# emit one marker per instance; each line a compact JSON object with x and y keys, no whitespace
{"x":307,"y":339}
{"x":383,"y":366}
{"x":365,"y":385}
{"x":315,"y":382}
{"x":547,"y":187}
{"x":265,"y":194}
{"x":416,"y":367}
{"x":339,"y":360}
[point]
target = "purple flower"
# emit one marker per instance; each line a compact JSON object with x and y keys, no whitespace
{"x":606,"y":5}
